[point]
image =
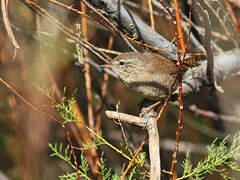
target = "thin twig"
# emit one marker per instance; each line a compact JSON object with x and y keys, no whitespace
{"x":235,"y":2}
{"x":122,"y":130}
{"x":104,"y":89}
{"x":36,"y":8}
{"x":33,"y":107}
{"x":4,"y":4}
{"x":89,"y":88}
{"x":229,"y":8}
{"x":133,"y":159}
{"x":153,"y":135}
{"x":179,"y":27}
{"x":70,"y":8}
{"x":151,"y":14}
{"x":110,"y":24}
{"x":210,"y":114}
{"x":180,"y":46}
{"x":222,"y":19}
{"x":133,"y":26}
{"x":179,"y":69}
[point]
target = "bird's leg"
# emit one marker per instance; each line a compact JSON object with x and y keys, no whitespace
{"x":147,"y":105}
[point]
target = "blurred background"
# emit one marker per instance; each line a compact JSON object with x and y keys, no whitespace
{"x":48,"y":58}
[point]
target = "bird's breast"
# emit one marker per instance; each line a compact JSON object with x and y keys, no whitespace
{"x":153,"y":86}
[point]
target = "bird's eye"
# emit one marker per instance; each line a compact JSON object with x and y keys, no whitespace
{"x":122,"y":63}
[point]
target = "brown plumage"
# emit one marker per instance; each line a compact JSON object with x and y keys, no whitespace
{"x":150,"y":74}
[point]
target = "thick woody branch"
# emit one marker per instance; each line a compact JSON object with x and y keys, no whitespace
{"x":210,"y":114}
{"x":133,"y":26}
{"x":225,"y":66}
{"x":148,"y":121}
{"x":138,"y":121}
{"x":154,"y":148}
{"x":204,"y":18}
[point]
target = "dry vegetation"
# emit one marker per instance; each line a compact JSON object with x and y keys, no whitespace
{"x":52,"y":87}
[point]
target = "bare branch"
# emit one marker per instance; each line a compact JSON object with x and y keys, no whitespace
{"x":148,"y":121}
{"x":138,"y":121}
{"x":226,"y":65}
{"x":4,"y":4}
{"x":203,"y":15}
{"x":133,"y":26}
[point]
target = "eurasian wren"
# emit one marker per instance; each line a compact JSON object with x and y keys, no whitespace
{"x":150,"y":74}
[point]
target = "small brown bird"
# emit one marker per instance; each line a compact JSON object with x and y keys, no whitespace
{"x":150,"y":74}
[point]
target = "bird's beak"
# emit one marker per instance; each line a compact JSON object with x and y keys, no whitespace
{"x":106,"y":66}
